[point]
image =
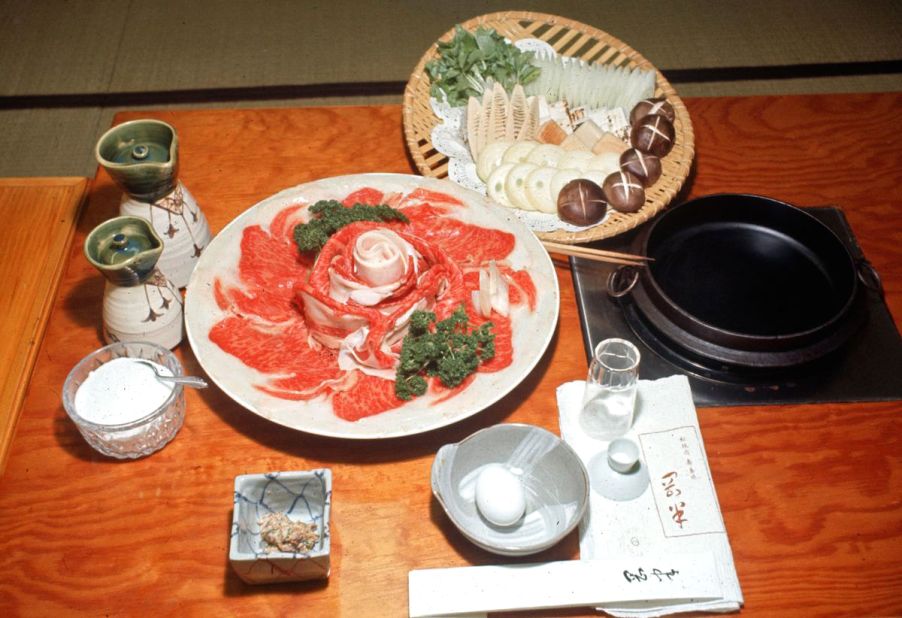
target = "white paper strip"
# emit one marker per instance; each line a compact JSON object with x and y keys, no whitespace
{"x":576,"y":583}
{"x":680,"y":483}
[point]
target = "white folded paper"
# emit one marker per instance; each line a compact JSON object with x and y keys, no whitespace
{"x":468,"y":591}
{"x":666,"y":510}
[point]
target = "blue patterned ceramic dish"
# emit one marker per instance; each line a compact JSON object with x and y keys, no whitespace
{"x":303,"y":496}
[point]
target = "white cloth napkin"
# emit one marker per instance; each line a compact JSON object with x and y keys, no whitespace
{"x":668,"y":507}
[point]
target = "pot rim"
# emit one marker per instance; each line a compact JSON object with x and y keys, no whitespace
{"x":720,"y":336}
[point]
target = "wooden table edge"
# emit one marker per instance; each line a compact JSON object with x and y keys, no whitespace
{"x":54,"y":267}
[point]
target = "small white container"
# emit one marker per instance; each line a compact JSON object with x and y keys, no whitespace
{"x":139,"y":433}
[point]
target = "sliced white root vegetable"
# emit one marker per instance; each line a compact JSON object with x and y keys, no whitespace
{"x":606,"y":162}
{"x":490,"y":158}
{"x":538,"y":189}
{"x":561,"y":178}
{"x":515,"y":185}
{"x":546,"y":155}
{"x":495,"y":184}
{"x":595,"y":176}
{"x":574,"y":159}
{"x":519,"y":152}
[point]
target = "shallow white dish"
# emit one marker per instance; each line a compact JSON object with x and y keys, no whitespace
{"x":532,"y":331}
{"x":553,"y":478}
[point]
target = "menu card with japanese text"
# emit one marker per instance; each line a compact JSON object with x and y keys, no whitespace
{"x":665,"y":509}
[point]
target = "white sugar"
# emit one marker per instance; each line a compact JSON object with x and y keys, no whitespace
{"x":120,"y":391}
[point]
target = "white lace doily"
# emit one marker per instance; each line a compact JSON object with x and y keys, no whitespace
{"x":449,"y":138}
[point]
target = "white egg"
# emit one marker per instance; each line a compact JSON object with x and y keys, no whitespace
{"x":500,"y":496}
{"x":515,"y":185}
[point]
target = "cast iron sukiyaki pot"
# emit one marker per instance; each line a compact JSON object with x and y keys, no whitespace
{"x":744,"y":280}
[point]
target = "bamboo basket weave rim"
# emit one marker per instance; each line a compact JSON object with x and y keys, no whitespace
{"x":565,"y":36}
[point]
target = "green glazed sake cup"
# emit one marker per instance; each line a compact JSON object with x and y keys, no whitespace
{"x":124,"y":249}
{"x":142,"y":158}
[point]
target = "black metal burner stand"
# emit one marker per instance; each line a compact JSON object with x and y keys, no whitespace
{"x":867,"y":368}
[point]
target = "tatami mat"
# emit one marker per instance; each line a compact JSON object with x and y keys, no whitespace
{"x":64,"y":66}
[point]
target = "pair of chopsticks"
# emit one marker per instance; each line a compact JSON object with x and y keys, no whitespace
{"x":597,"y":255}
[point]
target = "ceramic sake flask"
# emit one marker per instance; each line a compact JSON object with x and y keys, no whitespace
{"x":139,"y":302}
{"x":142,"y":158}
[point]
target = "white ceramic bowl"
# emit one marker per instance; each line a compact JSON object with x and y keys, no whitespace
{"x":553,"y":477}
{"x":138,"y":437}
{"x":304,"y":496}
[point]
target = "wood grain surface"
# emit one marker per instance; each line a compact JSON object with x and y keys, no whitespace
{"x":39,"y":216}
{"x":811,"y":494}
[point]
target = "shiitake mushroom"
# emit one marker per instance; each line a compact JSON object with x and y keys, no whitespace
{"x":581,"y":202}
{"x":653,"y":134}
{"x":646,"y":166}
{"x":624,"y":191}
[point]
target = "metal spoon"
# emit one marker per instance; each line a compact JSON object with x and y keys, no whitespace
{"x":192,"y":381}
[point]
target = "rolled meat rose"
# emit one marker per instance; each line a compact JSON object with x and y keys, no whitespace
{"x":367,"y":281}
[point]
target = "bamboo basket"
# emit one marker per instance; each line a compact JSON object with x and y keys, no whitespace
{"x":568,"y":38}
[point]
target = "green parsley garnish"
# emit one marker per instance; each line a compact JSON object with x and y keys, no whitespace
{"x":449,"y":351}
{"x":469,"y":60}
{"x":331,"y":216}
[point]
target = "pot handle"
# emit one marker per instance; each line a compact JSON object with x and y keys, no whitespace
{"x":622,"y":280}
{"x":869,"y":276}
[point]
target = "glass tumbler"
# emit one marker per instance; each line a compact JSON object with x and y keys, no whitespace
{"x":610,"y":397}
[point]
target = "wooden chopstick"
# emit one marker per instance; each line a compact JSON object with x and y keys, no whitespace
{"x":597,"y":255}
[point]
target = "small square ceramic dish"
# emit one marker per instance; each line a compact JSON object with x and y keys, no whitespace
{"x":304,"y":497}
{"x":554,"y":482}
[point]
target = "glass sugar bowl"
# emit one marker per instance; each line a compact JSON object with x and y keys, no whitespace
{"x":119,"y":405}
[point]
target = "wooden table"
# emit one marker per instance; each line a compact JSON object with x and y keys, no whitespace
{"x":811,"y":494}
{"x":39,"y":217}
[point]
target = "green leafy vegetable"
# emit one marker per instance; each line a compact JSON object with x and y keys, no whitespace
{"x":449,"y":351}
{"x":331,"y":216}
{"x":470,"y":59}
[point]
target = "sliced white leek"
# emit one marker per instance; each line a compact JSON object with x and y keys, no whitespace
{"x":561,"y":178}
{"x":490,"y":158}
{"x":546,"y":155}
{"x":538,"y":189}
{"x":574,"y":159}
{"x":519,"y":152}
{"x":495,"y":184}
{"x":606,"y":162}
{"x":515,"y":185}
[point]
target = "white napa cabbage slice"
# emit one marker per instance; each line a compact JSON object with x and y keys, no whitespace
{"x":493,"y":292}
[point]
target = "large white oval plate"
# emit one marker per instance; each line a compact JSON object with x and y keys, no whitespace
{"x":532,"y":331}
